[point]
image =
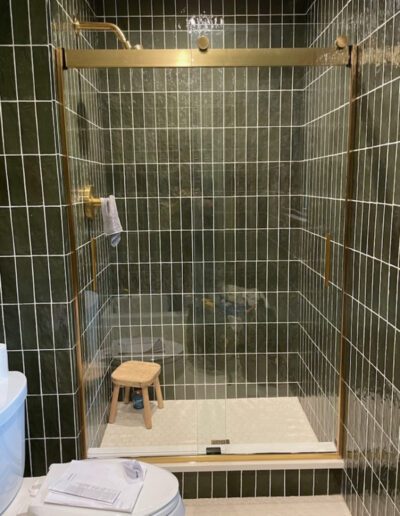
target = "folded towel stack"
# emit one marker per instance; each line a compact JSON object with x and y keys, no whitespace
{"x":112,"y":224}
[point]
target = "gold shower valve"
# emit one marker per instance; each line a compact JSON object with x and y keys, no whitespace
{"x":90,"y":201}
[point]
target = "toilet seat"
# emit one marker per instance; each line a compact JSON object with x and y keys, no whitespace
{"x":158,"y":497}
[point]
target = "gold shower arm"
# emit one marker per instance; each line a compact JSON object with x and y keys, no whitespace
{"x":102,"y":26}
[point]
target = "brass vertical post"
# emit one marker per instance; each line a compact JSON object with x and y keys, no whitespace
{"x":341,"y":444}
{"x":73,"y":255}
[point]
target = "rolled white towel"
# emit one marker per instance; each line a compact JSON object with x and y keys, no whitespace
{"x":112,"y":224}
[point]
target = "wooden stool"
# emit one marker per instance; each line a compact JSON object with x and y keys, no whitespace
{"x":136,"y":374}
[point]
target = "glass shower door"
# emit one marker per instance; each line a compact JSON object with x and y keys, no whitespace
{"x":242,"y":139}
{"x":206,"y":330}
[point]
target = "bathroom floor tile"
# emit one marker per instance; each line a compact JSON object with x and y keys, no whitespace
{"x":299,"y":506}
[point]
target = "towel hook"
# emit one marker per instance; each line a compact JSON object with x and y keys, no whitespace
{"x":90,"y":202}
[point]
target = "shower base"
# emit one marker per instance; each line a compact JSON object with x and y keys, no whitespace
{"x":188,"y":427}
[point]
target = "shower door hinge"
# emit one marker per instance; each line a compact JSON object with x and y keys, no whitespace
{"x":220,"y":441}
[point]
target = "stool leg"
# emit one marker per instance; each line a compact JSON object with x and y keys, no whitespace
{"x":127,"y":397}
{"x":114,"y":404}
{"x":159,"y":396}
{"x":147,"y":408}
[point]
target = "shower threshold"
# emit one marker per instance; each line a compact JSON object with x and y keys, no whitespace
{"x":189,"y":427}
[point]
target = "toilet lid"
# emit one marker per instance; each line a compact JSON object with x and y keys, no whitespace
{"x":159,"y":496}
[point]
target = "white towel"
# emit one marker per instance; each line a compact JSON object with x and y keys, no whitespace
{"x":112,"y":224}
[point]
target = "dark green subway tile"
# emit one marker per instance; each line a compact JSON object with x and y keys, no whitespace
{"x":190,"y":485}
{"x":38,"y":22}
{"x":15,"y":360}
{"x":12,"y":330}
{"x":219,"y":484}
{"x":204,"y":484}
{"x":277,"y":483}
{"x":28,"y":326}
{"x":46,"y":128}
{"x":16,"y":180}
{"x":24,"y":69}
{"x":8,"y":279}
{"x":52,"y":180}
{"x":25,"y":280}
{"x":263,"y":483}
{"x":27,"y":117}
{"x":38,"y":457}
{"x":12,"y":141}
{"x":41,"y":67}
{"x":335,"y":481}
{"x":321,"y":482}
{"x":292,"y":482}
{"x":306,"y":482}
{"x":20,"y":22}
{"x":234,"y":484}
{"x":4,"y":200}
{"x":32,"y":371}
{"x":20,"y":231}
{"x":38,"y":232}
{"x":54,"y":223}
{"x":50,"y":410}
{"x":53,"y":452}
{"x":33,"y":180}
{"x":52,"y":378}
{"x":5,"y":25}
{"x":34,"y":410}
{"x":64,"y":361}
{"x":7,"y":73}
{"x":59,"y":270}
{"x":248,"y":483}
{"x":44,"y":325}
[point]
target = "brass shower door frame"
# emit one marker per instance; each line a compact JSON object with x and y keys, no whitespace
{"x":59,"y":75}
{"x":212,"y":58}
{"x":66,"y":59}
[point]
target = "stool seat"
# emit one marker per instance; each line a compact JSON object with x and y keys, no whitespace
{"x":135,"y":373}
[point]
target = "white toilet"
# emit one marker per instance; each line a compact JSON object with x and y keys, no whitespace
{"x":158,"y":497}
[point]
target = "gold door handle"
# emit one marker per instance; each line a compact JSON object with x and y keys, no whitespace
{"x":327,"y":278}
{"x":93,"y":252}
